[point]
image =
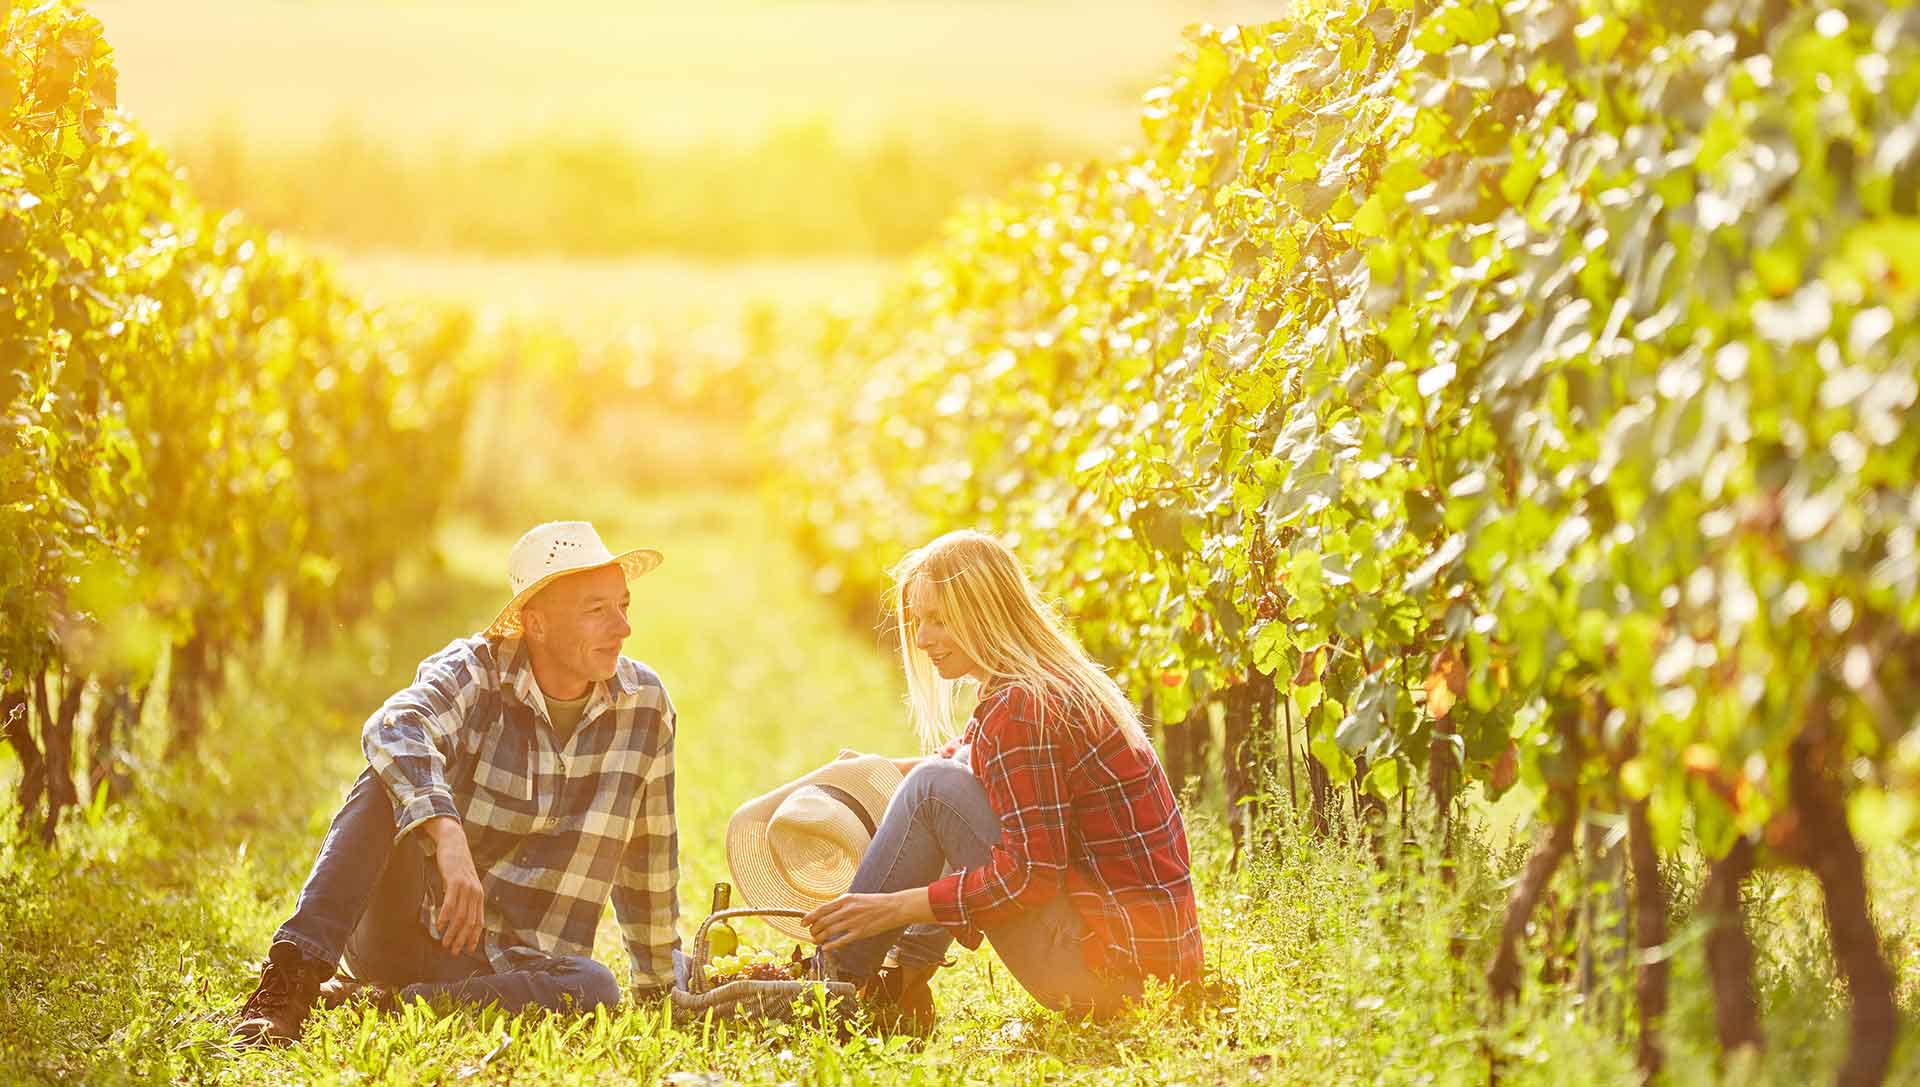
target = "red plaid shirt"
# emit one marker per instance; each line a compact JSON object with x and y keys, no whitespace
{"x":1083,"y":813}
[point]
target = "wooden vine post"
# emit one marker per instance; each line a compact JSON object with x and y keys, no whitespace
{"x":1818,"y":838}
{"x":1736,"y":1013}
{"x":1651,"y":969}
{"x":1563,"y":806}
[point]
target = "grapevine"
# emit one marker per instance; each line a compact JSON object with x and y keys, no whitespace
{"x":1502,"y":392}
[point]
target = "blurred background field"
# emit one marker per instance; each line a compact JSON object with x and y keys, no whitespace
{"x":637,"y":204}
{"x":645,"y":296}
{"x":730,"y":131}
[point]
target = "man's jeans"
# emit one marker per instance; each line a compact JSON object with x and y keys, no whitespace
{"x":938,"y":820}
{"x":362,"y":901}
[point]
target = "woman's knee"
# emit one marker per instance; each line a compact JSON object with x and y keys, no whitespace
{"x":589,"y":984}
{"x":943,"y":778}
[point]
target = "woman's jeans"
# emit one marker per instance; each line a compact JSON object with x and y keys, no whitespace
{"x":362,"y":901}
{"x":938,"y":820}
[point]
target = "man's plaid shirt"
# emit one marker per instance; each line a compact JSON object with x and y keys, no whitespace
{"x":1082,"y":813}
{"x":555,"y":831}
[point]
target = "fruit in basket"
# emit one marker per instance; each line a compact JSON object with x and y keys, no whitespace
{"x":753,"y":964}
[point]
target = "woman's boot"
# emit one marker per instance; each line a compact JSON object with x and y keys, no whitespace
{"x":899,"y":999}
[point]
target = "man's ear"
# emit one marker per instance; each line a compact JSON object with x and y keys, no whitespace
{"x":533,"y":625}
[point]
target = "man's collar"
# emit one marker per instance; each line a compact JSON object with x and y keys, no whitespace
{"x":517,"y":677}
{"x":626,"y":680}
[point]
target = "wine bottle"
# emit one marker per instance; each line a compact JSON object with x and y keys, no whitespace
{"x":721,"y":939}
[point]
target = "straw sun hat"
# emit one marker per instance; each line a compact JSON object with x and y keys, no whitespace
{"x":797,"y":847}
{"x":554,"y":550}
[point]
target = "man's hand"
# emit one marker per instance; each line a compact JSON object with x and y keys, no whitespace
{"x":853,"y":917}
{"x":462,"y":911}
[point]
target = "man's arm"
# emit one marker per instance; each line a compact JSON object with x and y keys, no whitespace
{"x":645,"y":897}
{"x":408,"y":739}
{"x":407,"y":742}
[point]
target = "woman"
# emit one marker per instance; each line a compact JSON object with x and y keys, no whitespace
{"x":1048,"y":826}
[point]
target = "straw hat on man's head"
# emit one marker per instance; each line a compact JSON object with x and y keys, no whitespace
{"x":797,"y":847}
{"x":552,"y":551}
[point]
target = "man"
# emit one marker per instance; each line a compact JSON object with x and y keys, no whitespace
{"x":523,"y":780}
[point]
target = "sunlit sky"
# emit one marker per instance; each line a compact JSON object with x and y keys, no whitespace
{"x":280,"y":69}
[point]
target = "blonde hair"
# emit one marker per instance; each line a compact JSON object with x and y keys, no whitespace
{"x":995,"y":617}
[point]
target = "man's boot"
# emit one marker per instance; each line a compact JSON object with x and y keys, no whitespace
{"x":289,"y":985}
{"x":899,"y":999}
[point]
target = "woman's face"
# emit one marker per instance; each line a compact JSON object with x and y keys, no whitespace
{"x":927,"y":626}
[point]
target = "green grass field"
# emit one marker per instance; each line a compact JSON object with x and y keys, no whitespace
{"x":122,"y":951}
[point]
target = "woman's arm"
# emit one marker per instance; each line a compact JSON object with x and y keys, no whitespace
{"x":1024,"y":770}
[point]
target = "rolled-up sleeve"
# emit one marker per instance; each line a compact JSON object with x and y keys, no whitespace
{"x":646,"y":893}
{"x":409,"y":738}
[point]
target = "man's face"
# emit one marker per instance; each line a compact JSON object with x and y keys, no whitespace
{"x":579,"y":623}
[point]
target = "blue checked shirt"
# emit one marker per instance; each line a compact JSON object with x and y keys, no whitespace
{"x":555,"y":829}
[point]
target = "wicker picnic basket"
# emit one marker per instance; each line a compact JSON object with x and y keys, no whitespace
{"x":749,"y":999}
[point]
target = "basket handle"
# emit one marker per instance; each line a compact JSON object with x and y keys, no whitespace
{"x":697,"y":983}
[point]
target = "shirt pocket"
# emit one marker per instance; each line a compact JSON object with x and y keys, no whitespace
{"x":504,"y":788}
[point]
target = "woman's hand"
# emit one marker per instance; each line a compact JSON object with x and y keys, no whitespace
{"x":854,"y":917}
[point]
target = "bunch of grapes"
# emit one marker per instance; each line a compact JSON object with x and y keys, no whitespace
{"x":756,"y":964}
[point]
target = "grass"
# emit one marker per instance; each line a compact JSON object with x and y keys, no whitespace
{"x":122,"y":949}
